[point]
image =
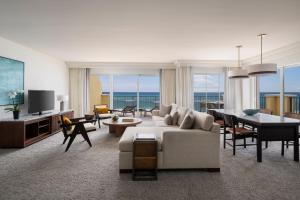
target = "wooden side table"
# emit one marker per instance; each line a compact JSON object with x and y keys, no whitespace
{"x":144,"y":159}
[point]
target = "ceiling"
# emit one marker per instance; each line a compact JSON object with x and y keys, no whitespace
{"x":149,"y":30}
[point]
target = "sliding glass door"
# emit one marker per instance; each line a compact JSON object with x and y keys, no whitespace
{"x":120,"y":91}
{"x":208,"y":91}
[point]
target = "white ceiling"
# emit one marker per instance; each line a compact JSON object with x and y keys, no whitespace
{"x":149,"y":30}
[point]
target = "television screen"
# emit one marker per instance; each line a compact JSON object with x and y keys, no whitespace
{"x":40,"y":100}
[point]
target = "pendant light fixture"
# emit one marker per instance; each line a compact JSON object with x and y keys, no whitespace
{"x":238,"y":72}
{"x":262,"y":68}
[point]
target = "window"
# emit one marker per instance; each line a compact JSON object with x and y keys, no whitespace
{"x":208,"y":91}
{"x":269,"y":92}
{"x":141,"y":91}
{"x":291,"y":89}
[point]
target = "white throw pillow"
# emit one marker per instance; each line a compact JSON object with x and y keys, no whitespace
{"x":164,"y":110}
{"x":173,"y":109}
{"x":188,"y":121}
{"x":175,"y":117}
{"x":181,"y":112}
{"x":168,"y":119}
{"x":203,"y":121}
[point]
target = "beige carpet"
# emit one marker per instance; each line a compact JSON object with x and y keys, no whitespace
{"x":45,"y":171}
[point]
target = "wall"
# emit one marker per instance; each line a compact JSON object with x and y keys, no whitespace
{"x":42,"y":72}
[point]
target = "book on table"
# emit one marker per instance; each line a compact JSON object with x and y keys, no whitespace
{"x":145,"y":136}
{"x":127,"y":120}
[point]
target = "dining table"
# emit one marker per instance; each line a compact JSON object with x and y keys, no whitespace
{"x":269,"y":128}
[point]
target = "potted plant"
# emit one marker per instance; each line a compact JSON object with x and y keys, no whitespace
{"x":14,"y":96}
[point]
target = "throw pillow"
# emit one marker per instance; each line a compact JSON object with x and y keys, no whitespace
{"x":173,"y":109}
{"x":101,"y":110}
{"x":181,"y":114}
{"x":174,"y":118}
{"x":188,"y":121}
{"x":67,"y":122}
{"x":168,"y":119}
{"x":203,"y":121}
{"x":164,"y":110}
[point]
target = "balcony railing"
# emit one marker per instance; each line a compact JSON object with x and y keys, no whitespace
{"x":146,"y":100}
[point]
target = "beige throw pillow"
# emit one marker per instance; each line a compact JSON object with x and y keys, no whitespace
{"x":188,"y":121}
{"x":168,"y":119}
{"x":164,"y":110}
{"x":181,"y":114}
{"x":174,"y":116}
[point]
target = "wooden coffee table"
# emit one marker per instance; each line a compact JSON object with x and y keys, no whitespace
{"x":118,"y":127}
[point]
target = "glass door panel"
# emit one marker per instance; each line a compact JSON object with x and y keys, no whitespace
{"x":149,"y":95}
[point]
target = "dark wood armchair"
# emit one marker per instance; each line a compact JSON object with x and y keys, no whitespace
{"x":72,"y":127}
{"x":237,"y":132}
{"x":145,"y":110}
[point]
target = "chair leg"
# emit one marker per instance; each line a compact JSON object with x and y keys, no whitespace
{"x":72,"y":137}
{"x":86,"y":137}
{"x":252,"y":139}
{"x":244,"y":142}
{"x":66,"y":137}
{"x":224,"y":142}
{"x":233,"y":146}
{"x":267,"y":144}
{"x":287,"y":144}
{"x":99,"y":122}
{"x":282,"y":148}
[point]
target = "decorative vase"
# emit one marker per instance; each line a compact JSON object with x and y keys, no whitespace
{"x":115,"y":118}
{"x":16,"y":114}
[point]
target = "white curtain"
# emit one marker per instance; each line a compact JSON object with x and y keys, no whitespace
{"x":249,"y":93}
{"x":167,"y":86}
{"x":79,"y":90}
{"x":233,"y":94}
{"x":184,"y":86}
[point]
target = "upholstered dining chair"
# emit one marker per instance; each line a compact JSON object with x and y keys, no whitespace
{"x":102,"y":111}
{"x":238,"y":133}
{"x":72,"y":127}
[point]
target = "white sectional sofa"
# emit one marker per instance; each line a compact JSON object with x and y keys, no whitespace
{"x":195,"y":148}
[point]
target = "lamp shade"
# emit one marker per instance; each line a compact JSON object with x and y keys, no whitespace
{"x":238,"y":73}
{"x":265,"y":68}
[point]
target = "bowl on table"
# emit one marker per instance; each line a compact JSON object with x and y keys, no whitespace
{"x":251,"y":112}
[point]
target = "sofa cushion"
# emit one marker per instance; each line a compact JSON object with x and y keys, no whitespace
{"x":174,"y":108}
{"x":181,"y":114}
{"x":126,"y":141}
{"x":188,"y":121}
{"x":157,"y":118}
{"x":168,"y":119}
{"x":164,"y":110}
{"x":203,"y":121}
{"x":175,"y":117}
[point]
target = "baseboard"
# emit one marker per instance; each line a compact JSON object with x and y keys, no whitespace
{"x":189,"y":169}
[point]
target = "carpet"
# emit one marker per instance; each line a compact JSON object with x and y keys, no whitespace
{"x":44,"y":171}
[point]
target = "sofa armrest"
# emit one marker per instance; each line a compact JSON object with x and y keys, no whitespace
{"x":215,"y":128}
{"x":155,"y":112}
{"x":192,"y":148}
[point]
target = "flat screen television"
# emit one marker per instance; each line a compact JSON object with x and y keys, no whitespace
{"x":40,"y":100}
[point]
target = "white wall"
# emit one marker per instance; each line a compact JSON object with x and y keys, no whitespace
{"x":41,"y":71}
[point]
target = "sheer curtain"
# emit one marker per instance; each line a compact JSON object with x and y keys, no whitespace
{"x":167,"y":86}
{"x":184,"y":86}
{"x":79,"y":90}
{"x":233,"y":94}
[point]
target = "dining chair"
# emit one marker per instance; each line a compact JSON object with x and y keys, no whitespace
{"x":238,"y":133}
{"x":220,"y":120}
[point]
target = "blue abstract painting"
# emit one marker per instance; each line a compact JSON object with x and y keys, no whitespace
{"x":11,"y":79}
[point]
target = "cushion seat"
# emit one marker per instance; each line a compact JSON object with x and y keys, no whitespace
{"x":241,"y":131}
{"x":220,"y":122}
{"x":126,"y":141}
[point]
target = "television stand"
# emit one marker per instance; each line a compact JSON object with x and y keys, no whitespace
{"x":30,"y":129}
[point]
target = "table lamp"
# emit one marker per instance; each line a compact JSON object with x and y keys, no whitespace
{"x":62,"y":98}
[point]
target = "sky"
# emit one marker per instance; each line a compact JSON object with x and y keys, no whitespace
{"x":271,"y":83}
{"x":202,"y":83}
{"x":128,"y":83}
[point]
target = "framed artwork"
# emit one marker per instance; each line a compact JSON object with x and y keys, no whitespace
{"x":11,"y":80}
